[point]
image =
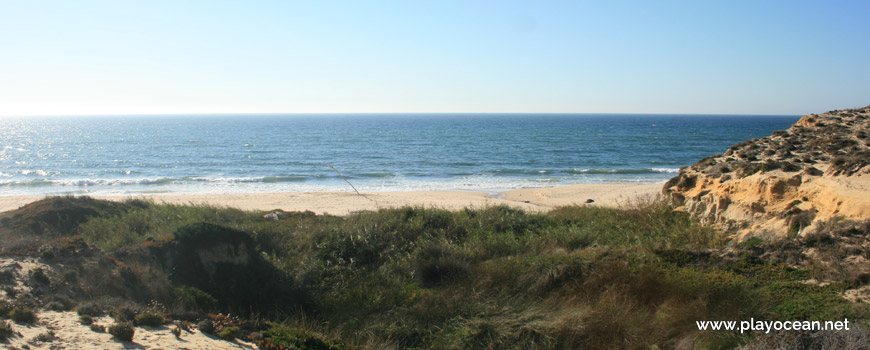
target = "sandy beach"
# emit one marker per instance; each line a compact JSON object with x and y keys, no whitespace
{"x":342,"y":203}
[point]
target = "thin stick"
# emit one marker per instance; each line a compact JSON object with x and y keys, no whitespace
{"x":351,"y":185}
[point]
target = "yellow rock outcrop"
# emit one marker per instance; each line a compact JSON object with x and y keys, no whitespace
{"x":786,"y":183}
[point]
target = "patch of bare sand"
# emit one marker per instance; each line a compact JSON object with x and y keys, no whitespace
{"x":609,"y":195}
{"x":343,"y":203}
{"x":62,"y":330}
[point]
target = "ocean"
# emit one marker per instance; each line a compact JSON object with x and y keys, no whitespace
{"x":375,"y":152}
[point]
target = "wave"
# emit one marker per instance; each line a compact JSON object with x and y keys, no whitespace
{"x":38,"y":172}
{"x":593,"y":171}
{"x":277,"y":179}
{"x":376,"y":175}
{"x":147,"y":181}
{"x":639,"y":171}
{"x":25,"y":183}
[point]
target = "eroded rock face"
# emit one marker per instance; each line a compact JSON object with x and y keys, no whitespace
{"x":785,"y":183}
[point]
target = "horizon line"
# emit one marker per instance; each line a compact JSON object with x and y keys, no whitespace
{"x":203,"y":114}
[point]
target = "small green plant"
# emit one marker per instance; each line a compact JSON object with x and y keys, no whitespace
{"x":122,"y":331}
{"x":86,"y":320}
{"x":98,"y":328}
{"x":151,"y":319}
{"x":229,"y":333}
{"x":22,"y":315}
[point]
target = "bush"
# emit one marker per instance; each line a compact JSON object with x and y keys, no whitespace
{"x":151,"y":319}
{"x":229,"y":333}
{"x":86,"y":320}
{"x":98,"y":328}
{"x":5,"y":308}
{"x":22,"y":315}
{"x":438,"y":264}
{"x":122,"y":331}
{"x":194,"y":299}
{"x":90,"y":309}
{"x":206,"y":326}
{"x":47,"y":254}
{"x":39,"y":275}
{"x":5,"y":331}
{"x":124,"y":313}
{"x":295,"y":338}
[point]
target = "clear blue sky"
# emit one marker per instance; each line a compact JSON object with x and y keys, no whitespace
{"x":144,"y":57}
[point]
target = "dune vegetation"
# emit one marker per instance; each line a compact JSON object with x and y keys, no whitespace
{"x":492,"y":278}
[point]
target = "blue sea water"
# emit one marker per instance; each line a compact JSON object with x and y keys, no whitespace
{"x":391,"y":152}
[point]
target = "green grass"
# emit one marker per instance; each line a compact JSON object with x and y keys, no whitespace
{"x":497,"y":277}
{"x":150,"y":221}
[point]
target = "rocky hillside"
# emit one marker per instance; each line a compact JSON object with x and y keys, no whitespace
{"x":784,"y":184}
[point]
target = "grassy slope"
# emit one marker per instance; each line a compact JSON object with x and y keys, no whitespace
{"x":576,"y":277}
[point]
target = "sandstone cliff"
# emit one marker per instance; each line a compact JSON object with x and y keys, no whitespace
{"x":784,"y":184}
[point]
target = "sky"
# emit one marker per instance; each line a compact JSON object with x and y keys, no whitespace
{"x":170,"y":57}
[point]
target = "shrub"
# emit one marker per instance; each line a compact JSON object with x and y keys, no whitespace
{"x":438,"y":264}
{"x":229,"y":333}
{"x":47,"y":254}
{"x":151,"y":319}
{"x":98,"y":328}
{"x":295,"y":338}
{"x":22,"y":315}
{"x":124,"y":313}
{"x":86,"y":320}
{"x":123,"y":331}
{"x":39,"y":275}
{"x":5,"y":308}
{"x":206,"y":326}
{"x":194,"y":299}
{"x":90,"y":309}
{"x":71,"y":276}
{"x":5,"y":331}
